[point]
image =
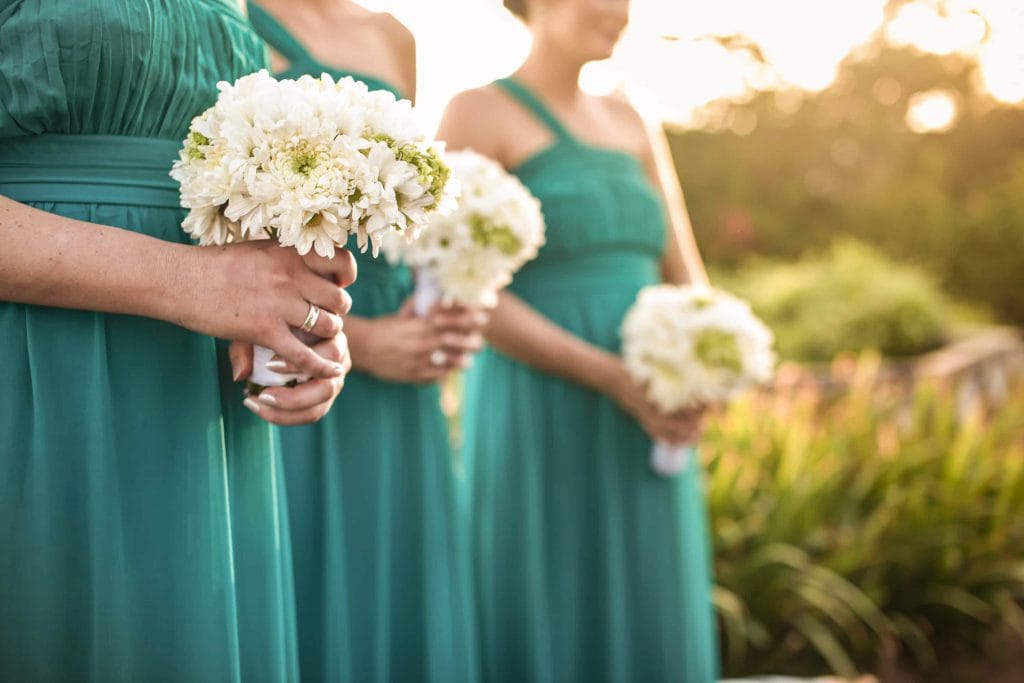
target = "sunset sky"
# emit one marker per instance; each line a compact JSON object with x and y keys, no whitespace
{"x":670,"y":69}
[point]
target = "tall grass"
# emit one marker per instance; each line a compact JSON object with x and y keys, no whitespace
{"x":874,"y":520}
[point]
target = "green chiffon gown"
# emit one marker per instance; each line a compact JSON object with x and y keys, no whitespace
{"x":139,"y":538}
{"x":588,"y":567}
{"x":382,"y":586}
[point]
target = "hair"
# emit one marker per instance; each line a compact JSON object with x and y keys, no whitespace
{"x":516,"y":7}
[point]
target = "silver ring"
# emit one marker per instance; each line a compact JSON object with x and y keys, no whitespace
{"x":311,"y":318}
{"x":438,"y":358}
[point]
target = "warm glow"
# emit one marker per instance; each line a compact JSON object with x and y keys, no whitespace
{"x":921,"y":25}
{"x":671,"y":68}
{"x":934,"y":111}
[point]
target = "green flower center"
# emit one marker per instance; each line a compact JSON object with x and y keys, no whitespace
{"x":490,"y":234}
{"x":304,"y":161}
{"x":718,"y":349}
{"x":194,"y":141}
{"x":432,"y":171}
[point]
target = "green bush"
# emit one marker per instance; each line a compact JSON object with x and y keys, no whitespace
{"x":851,"y":299}
{"x":879,"y":520}
{"x":844,"y":163}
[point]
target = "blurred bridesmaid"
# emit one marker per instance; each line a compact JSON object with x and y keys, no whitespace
{"x":382,"y":588}
{"x":588,"y":566}
{"x":117,"y":443}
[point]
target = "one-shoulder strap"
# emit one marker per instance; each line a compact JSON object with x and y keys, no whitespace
{"x":276,"y":35}
{"x":529,"y":100}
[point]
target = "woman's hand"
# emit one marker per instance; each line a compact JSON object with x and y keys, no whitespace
{"x":681,"y":428}
{"x":406,"y":348}
{"x":257,"y":292}
{"x":304,"y":403}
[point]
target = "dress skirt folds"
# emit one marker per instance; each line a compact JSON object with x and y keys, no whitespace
{"x":588,"y":566}
{"x":381,"y":578}
{"x":134,"y":515}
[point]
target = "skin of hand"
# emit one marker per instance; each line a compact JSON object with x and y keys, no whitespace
{"x":398,"y":348}
{"x":682,"y":427}
{"x":254,"y":292}
{"x":305,"y":403}
{"x":311,"y":400}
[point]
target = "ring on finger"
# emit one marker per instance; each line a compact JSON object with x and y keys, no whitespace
{"x":438,"y":358}
{"x":311,"y":318}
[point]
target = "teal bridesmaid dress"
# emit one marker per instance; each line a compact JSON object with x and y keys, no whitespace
{"x":382,"y":586}
{"x":135,"y":515}
{"x":588,"y":567}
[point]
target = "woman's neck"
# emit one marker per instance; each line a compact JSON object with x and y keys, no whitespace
{"x":551,"y":71}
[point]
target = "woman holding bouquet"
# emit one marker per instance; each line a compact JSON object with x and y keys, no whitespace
{"x":115,"y":519}
{"x":588,"y":566}
{"x":382,"y":589}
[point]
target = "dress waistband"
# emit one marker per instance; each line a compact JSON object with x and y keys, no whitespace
{"x":93,"y":169}
{"x":587,"y":272}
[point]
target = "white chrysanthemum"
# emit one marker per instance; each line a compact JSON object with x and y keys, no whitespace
{"x":695,"y":344}
{"x":474,"y":251}
{"x":309,"y":162}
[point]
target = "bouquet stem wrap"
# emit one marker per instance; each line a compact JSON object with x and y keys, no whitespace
{"x":668,"y":460}
{"x":427,"y":293}
{"x":262,"y":377}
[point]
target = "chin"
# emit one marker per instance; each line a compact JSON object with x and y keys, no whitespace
{"x":600,"y":53}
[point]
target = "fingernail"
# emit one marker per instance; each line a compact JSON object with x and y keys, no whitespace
{"x":236,"y":374}
{"x":267,"y":400}
{"x":276,"y":365}
{"x":339,"y":369}
{"x":252,"y":404}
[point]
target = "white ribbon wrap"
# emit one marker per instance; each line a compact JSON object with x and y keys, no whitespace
{"x":261,"y":355}
{"x":427,"y":293}
{"x":668,"y":461}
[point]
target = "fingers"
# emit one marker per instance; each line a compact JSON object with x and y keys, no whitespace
{"x":302,"y":404}
{"x":458,"y":319}
{"x":341,"y":268}
{"x":460,"y":344}
{"x":334,"y":349}
{"x":240,"y":354}
{"x":325,"y":294}
{"x":678,"y":429}
{"x":303,"y":358}
{"x":327,"y":324}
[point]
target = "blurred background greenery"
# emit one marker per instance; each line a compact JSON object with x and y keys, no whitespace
{"x":865,"y":519}
{"x":806,"y":172}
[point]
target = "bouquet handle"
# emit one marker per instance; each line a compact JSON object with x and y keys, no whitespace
{"x":668,"y":460}
{"x":427,"y":292}
{"x":262,"y":377}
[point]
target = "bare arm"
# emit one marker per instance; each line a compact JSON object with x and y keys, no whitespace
{"x":249,"y":292}
{"x":520,"y":332}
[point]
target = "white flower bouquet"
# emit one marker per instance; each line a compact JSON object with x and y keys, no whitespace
{"x":308,"y":162}
{"x":468,"y":255}
{"x":692,"y":345}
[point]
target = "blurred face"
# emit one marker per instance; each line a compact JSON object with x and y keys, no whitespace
{"x":588,"y":29}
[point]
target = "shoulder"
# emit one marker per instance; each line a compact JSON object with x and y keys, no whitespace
{"x":394,"y":30}
{"x":628,"y":120}
{"x":485,"y":99}
{"x":473,"y":118}
{"x":624,"y":114}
